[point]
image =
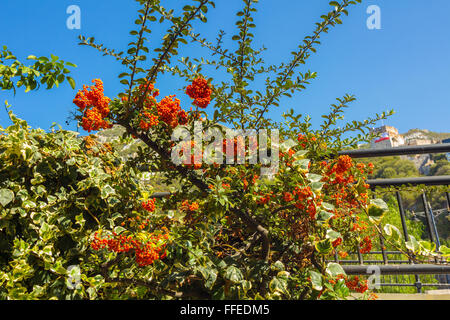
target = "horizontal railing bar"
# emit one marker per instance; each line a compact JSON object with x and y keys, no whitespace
{"x":378,"y":252}
{"x":427,"y":181}
{"x":373,"y":261}
{"x":381,"y":252}
{"x":397,"y":151}
{"x":158,"y":195}
{"x":373,"y":183}
{"x":400,"y":269}
{"x":413,"y":284}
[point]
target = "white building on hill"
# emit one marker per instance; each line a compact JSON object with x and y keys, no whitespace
{"x":388,"y":137}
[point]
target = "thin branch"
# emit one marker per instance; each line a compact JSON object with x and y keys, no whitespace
{"x":199,"y":183}
{"x":138,"y":48}
{"x":151,"y":77}
{"x":211,"y":47}
{"x":299,"y":57}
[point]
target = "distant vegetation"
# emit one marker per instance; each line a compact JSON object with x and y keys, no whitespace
{"x":428,"y":134}
{"x":392,"y":167}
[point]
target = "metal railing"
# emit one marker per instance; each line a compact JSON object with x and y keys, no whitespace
{"x":394,"y":266}
{"x":388,"y":266}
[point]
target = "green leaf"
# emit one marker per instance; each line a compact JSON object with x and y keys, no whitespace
{"x":377,"y":208}
{"x":119,"y":229}
{"x":302,"y":163}
{"x":393,"y":232}
{"x":234,"y":274}
{"x":316,"y":186}
{"x":28,"y":204}
{"x":428,"y":246}
{"x":324,"y":215}
{"x":341,"y":289}
{"x":327,"y":206}
{"x":288,"y":144}
{"x":80,"y":220}
{"x":412,"y":244}
{"x":300,"y":154}
{"x":444,"y":250}
{"x":278,"y":285}
{"x":277,"y":266}
{"x":324,"y":246}
{"x":210,"y":275}
{"x":316,"y":280}
{"x":314,"y":177}
{"x":6,"y":196}
{"x":333,"y":235}
{"x":334,"y":269}
{"x":71,"y":82}
{"x":107,"y":190}
{"x":246,"y":285}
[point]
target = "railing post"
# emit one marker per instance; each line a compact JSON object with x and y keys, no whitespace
{"x":430,"y":221}
{"x":401,"y":210}
{"x":360,"y":257}
{"x":448,"y":200}
{"x":438,"y":242}
{"x":448,"y":209}
{"x":428,"y":181}
{"x":383,"y":251}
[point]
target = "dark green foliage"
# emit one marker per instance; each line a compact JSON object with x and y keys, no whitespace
{"x":55,"y":190}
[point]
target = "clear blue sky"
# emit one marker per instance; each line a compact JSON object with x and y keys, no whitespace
{"x":404,"y":66}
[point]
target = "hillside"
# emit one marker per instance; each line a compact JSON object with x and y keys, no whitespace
{"x":425,"y":134}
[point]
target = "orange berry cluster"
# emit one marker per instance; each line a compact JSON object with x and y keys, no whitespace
{"x":200,"y":91}
{"x":149,"y":205}
{"x":288,"y":197}
{"x":355,"y":283}
{"x":148,"y":121}
{"x":366,"y":245}
{"x":186,"y":206}
{"x":337,"y":242}
{"x":306,"y":201}
{"x":339,"y":177}
{"x":287,"y":157}
{"x":264,"y":199}
{"x":145,"y":252}
{"x":341,"y":168}
{"x":137,"y":222}
{"x":168,"y":110}
{"x":246,"y":183}
{"x":304,"y":141}
{"x":94,"y":106}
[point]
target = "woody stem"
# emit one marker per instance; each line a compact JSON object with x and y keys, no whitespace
{"x":199,"y":183}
